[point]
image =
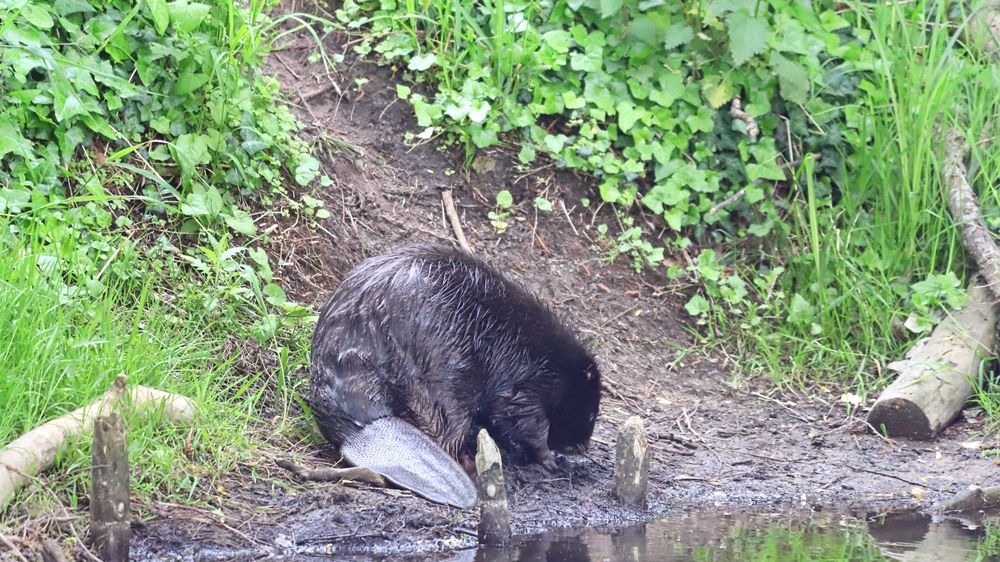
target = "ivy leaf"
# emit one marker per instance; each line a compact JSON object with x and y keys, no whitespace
{"x":676,"y":35}
{"x":628,"y":114}
{"x":527,"y":154}
{"x":555,"y":143}
{"x":559,"y":40}
{"x":792,"y":77}
{"x":717,"y":93}
{"x":697,"y":306}
{"x":306,"y":171}
{"x":747,"y":36}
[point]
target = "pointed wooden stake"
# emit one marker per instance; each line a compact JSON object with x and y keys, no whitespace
{"x":109,"y":496}
{"x":494,"y":514}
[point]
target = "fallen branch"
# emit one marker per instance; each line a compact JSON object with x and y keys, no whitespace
{"x":456,"y":223}
{"x":736,"y":112}
{"x":36,"y":450}
{"x":331,"y":474}
{"x":963,"y":205}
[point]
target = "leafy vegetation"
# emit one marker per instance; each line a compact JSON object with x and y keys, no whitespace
{"x":637,"y":86}
{"x":132,"y":135}
{"x":817,"y":219}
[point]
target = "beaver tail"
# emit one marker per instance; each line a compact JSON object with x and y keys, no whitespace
{"x":351,"y":404}
{"x":410,"y":459}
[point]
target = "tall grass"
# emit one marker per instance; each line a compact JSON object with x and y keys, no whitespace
{"x":61,"y":346}
{"x":857,"y":257}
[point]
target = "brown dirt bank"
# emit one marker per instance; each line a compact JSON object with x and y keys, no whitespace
{"x":715,"y":445}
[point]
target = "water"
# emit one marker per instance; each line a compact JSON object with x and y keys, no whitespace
{"x":752,"y":537}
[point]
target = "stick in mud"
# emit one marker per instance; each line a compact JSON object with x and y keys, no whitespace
{"x":494,"y":515}
{"x":109,"y":502}
{"x":632,"y":463}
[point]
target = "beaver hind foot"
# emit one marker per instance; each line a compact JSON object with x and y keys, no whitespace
{"x":410,"y":459}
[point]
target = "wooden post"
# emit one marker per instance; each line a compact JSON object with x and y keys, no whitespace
{"x":632,"y":464}
{"x":935,"y":379}
{"x":109,"y":495}
{"x":494,"y":515}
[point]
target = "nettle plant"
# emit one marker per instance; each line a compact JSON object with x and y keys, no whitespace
{"x":637,"y":92}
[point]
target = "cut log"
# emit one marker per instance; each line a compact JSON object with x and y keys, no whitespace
{"x":36,"y":450}
{"x":936,"y":377}
{"x":494,"y":514}
{"x":109,"y":491}
{"x":632,"y":464}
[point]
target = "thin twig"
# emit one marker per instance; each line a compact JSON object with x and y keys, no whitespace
{"x":569,"y":220}
{"x":728,"y":201}
{"x":456,"y":223}
{"x":10,"y":546}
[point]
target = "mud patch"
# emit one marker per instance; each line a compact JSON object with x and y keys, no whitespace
{"x":715,"y":445}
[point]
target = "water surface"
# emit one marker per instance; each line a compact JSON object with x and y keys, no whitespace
{"x":738,"y":537}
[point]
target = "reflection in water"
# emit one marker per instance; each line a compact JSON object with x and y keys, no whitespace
{"x":732,"y":537}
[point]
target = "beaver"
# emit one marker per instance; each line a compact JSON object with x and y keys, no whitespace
{"x":420,"y":347}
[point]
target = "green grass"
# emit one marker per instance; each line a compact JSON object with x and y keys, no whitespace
{"x":63,"y":346}
{"x":858,"y":263}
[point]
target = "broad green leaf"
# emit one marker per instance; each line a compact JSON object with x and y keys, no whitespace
{"x":697,"y":306}
{"x":504,"y":199}
{"x":402,"y":91}
{"x":717,"y":93}
{"x":306,"y":171}
{"x":241,"y":221}
{"x":559,"y":40}
{"x":188,"y":82}
{"x":628,"y":114}
{"x":676,"y":35}
{"x":202,"y":201}
{"x":747,"y":36}
{"x":11,"y":141}
{"x":66,"y":101}
{"x":527,"y":154}
{"x":555,"y":143}
{"x":160,"y":14}
{"x":186,"y":16}
{"x":37,"y":16}
{"x":792,"y":77}
{"x":191,"y":150}
{"x":800,"y":311}
{"x":610,"y":7}
{"x":422,"y":62}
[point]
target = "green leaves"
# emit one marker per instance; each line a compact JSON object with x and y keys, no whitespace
{"x":186,"y":16}
{"x":793,"y":78}
{"x":610,"y":7}
{"x":160,"y":13}
{"x":747,"y":36}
